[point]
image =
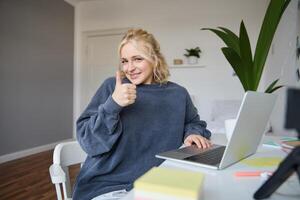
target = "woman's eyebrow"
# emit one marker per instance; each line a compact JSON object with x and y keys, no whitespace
{"x":136,"y":56}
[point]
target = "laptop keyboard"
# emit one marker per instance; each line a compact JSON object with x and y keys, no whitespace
{"x":210,"y":157}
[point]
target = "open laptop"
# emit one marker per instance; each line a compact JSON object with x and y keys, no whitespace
{"x":252,"y":120}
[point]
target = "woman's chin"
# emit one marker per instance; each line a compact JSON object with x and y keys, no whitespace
{"x":135,"y":81}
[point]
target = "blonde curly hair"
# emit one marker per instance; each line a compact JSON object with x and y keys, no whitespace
{"x":150,"y":49}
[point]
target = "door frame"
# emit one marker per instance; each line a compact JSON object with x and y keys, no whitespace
{"x":81,"y":52}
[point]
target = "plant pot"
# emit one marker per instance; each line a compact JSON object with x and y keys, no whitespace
{"x":192,"y":60}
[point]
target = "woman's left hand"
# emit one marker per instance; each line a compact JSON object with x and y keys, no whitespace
{"x":199,"y":140}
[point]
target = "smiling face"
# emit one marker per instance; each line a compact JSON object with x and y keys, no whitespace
{"x":135,"y":66}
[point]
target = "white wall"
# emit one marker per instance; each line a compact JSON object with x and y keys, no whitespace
{"x":282,"y":63}
{"x":176,"y":25}
{"x":36,"y":81}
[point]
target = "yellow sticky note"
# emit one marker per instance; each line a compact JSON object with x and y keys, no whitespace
{"x":262,"y":162}
{"x":180,"y":184}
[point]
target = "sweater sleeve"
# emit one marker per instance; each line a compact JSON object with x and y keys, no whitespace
{"x":99,"y":126}
{"x":193,"y":124}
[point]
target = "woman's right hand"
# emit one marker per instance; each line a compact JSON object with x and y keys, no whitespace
{"x":124,"y":94}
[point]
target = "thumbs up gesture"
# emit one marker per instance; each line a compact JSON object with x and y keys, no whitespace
{"x":124,"y":94}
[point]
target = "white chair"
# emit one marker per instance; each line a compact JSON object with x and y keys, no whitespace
{"x":64,"y":155}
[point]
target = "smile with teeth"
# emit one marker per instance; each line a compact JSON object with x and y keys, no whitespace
{"x":135,"y":75}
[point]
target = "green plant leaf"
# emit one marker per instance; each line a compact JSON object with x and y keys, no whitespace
{"x":234,"y":39}
{"x":246,"y":57}
{"x":229,"y":39}
{"x":193,"y":52}
{"x":287,"y":2}
{"x":275,"y":88}
{"x":268,"y":28}
{"x":249,"y":69}
{"x":236,"y":63}
{"x":271,"y":86}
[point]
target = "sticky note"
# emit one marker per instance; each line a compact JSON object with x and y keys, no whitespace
{"x":262,"y":161}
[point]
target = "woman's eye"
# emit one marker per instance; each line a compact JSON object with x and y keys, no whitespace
{"x":123,"y":61}
{"x":138,"y":59}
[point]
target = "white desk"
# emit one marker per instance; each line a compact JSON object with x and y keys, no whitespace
{"x":222,"y":184}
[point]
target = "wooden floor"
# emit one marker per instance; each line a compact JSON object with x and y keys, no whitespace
{"x":28,"y":178}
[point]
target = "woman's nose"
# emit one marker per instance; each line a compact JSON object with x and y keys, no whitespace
{"x":131,"y":66}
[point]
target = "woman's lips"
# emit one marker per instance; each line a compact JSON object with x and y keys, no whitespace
{"x":134,"y":76}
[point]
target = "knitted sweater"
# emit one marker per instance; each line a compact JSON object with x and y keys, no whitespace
{"x":121,"y":142}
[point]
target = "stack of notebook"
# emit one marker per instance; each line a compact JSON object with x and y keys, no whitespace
{"x":290,"y":145}
{"x":168,"y":184}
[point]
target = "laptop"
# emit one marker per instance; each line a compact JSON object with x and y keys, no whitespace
{"x":252,"y":120}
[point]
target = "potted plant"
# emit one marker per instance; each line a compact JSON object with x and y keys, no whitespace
{"x":193,"y":55}
{"x":238,"y":53}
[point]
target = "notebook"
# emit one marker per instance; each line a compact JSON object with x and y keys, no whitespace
{"x":252,"y":120}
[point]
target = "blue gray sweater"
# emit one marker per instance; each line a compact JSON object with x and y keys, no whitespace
{"x":121,"y":142}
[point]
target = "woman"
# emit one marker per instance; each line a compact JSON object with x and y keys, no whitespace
{"x":133,"y":117}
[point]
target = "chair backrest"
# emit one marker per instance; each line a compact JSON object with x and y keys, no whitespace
{"x":64,"y":155}
{"x":68,"y":153}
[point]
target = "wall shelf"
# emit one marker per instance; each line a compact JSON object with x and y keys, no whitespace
{"x":185,"y":66}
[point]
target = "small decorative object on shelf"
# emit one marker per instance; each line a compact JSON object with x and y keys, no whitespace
{"x":193,"y":55}
{"x":177,"y":61}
